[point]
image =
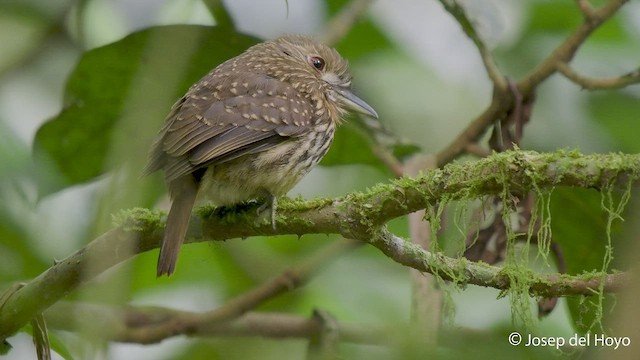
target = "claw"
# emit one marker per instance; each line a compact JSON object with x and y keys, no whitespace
{"x":271,"y":202}
{"x":274,"y":203}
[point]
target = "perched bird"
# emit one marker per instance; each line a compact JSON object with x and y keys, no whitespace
{"x":251,"y":129}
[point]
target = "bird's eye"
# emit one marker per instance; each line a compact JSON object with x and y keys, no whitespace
{"x":317,"y":62}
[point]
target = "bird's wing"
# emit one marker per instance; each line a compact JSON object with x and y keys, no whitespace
{"x":244,"y":117}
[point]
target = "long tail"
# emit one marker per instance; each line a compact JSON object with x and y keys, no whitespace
{"x":183,"y":191}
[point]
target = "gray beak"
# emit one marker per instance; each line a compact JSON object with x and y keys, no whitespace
{"x":354,"y":103}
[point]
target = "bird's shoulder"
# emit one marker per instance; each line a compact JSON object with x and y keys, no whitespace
{"x":237,"y":99}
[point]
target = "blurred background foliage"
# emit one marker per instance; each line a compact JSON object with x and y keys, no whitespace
{"x":85,"y":85}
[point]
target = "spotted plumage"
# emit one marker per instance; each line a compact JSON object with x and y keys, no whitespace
{"x":251,"y":129}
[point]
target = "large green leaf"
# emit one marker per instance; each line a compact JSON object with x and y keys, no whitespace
{"x":618,"y":113}
{"x":134,"y":80}
{"x":351,"y":146}
{"x":24,"y":26}
{"x":579,"y":226}
{"x":363,"y":37}
{"x":553,"y":17}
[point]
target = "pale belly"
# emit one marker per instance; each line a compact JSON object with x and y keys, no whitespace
{"x":257,"y":176}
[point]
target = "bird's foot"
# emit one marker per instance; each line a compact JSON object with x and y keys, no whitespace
{"x":270,"y":204}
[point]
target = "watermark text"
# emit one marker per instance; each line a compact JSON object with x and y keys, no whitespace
{"x":596,"y":340}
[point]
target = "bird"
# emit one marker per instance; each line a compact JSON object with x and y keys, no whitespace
{"x":250,"y":129}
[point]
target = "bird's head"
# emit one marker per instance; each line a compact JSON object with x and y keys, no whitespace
{"x":313,"y":69}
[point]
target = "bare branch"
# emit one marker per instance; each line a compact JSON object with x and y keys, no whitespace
{"x":476,"y":128}
{"x":134,"y":324}
{"x":502,"y":100}
{"x":587,"y":10}
{"x":596,"y":84}
{"x":567,"y":50}
{"x":340,"y":25}
{"x":324,"y":345}
{"x":219,"y":13}
{"x":382,"y":142}
{"x":129,"y":324}
{"x":457,"y":11}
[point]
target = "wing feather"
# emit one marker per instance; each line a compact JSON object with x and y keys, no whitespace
{"x":248,"y":120}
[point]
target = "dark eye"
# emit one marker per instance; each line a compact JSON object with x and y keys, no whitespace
{"x":317,"y":62}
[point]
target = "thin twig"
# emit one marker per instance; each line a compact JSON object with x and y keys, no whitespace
{"x":596,"y":84}
{"x":388,"y":159}
{"x":324,"y":344}
{"x":502,"y":99}
{"x":134,"y":324}
{"x":127,"y":324}
{"x":381,"y":142}
{"x":477,"y":150}
{"x":585,"y":7}
{"x":219,"y":13}
{"x":340,"y":25}
{"x":567,"y":50}
{"x":457,"y":11}
{"x":478,"y":126}
{"x":287,"y":281}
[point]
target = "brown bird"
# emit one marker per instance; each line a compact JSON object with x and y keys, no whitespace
{"x":251,"y":129}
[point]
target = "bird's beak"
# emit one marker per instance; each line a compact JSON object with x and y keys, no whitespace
{"x":354,"y":103}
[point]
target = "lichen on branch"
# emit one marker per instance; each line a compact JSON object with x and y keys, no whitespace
{"x":361,"y":216}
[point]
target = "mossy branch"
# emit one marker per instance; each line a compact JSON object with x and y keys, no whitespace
{"x":359,"y":216}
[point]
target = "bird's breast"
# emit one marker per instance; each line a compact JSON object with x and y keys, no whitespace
{"x":274,"y":171}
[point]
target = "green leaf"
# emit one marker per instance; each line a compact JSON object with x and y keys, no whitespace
{"x":618,"y":114}
{"x":5,"y":347}
{"x":353,"y":145}
{"x":117,"y":92}
{"x":579,"y":226}
{"x":350,"y":147}
{"x":563,"y":17}
{"x":553,"y":17}
{"x":22,"y":28}
{"x":363,"y":37}
{"x":14,"y":155}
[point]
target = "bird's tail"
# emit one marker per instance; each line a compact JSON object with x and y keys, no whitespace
{"x":184,"y":191}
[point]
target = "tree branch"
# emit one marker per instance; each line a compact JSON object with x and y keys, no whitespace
{"x":457,"y":11}
{"x":567,"y":50}
{"x":175,"y":323}
{"x":130,"y":323}
{"x":340,"y":24}
{"x":502,"y":100}
{"x":136,"y":324}
{"x":359,"y":216}
{"x":595,"y":84}
{"x":219,"y":13}
{"x":465,"y":272}
{"x":586,"y":8}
